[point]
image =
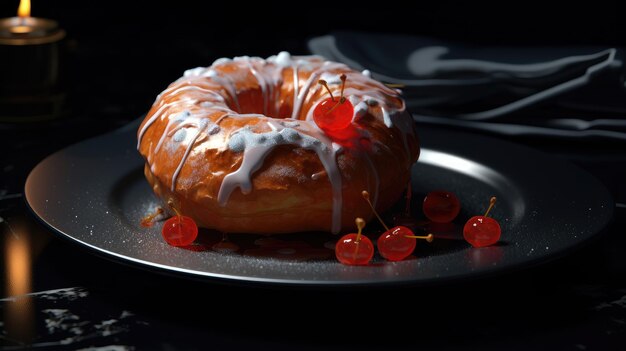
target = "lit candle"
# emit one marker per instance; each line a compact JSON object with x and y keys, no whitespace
{"x":27,"y":30}
{"x":30,"y":84}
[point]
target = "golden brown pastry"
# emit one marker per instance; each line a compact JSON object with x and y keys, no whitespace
{"x":236,"y":146}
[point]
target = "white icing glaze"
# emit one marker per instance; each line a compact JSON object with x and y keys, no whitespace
{"x":283,"y":59}
{"x":296,"y":85}
{"x":360,"y":110}
{"x":176,"y":119}
{"x":257,"y":146}
{"x":203,"y":88}
{"x":154,"y":117}
{"x":220,"y":61}
{"x":194,"y":72}
{"x":303,"y":94}
{"x":202,"y":124}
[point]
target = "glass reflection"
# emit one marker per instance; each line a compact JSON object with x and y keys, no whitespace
{"x":18,"y":306}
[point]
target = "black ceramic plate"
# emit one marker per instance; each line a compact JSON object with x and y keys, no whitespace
{"x":94,"y":193}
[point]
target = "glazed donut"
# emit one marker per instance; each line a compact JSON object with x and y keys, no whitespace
{"x":236,"y":147}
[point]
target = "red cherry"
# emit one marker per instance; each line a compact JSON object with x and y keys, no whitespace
{"x":333,"y":114}
{"x":481,"y":231}
{"x":441,"y":206}
{"x":355,"y":249}
{"x":395,"y":244}
{"x":351,"y":251}
{"x":180,"y":231}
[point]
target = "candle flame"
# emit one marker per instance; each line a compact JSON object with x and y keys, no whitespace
{"x":23,"y":10}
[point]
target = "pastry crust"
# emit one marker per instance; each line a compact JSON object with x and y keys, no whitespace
{"x":235,"y":147}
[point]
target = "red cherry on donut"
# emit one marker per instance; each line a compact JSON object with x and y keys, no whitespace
{"x":180,"y":231}
{"x":482,"y":231}
{"x":441,"y":206}
{"x":355,"y":249}
{"x":397,"y":243}
{"x":331,"y":114}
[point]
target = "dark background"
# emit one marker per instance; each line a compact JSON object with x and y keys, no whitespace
{"x":121,"y":54}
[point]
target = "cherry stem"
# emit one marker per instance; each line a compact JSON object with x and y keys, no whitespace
{"x":332,"y":109}
{"x":409,"y":193}
{"x":170,"y":203}
{"x":343,"y":78}
{"x":492,"y":202}
{"x":152,"y":216}
{"x":341,"y":101}
{"x":366,"y":196}
{"x":323,"y":83}
{"x":428,"y":237}
{"x":147,"y":220}
{"x":360,"y":224}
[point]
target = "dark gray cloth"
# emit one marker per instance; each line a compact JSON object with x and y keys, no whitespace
{"x":567,"y":92}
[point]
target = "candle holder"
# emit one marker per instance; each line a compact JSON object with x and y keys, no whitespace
{"x":32,"y":87}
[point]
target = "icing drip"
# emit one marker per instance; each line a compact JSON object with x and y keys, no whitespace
{"x":202,"y":125}
{"x":178,"y":119}
{"x":386,"y":117}
{"x":296,"y":84}
{"x":208,"y":91}
{"x":360,"y":110}
{"x":208,"y":104}
{"x":257,"y":146}
{"x":302,"y":96}
{"x":155,"y":116}
{"x":175,"y":90}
